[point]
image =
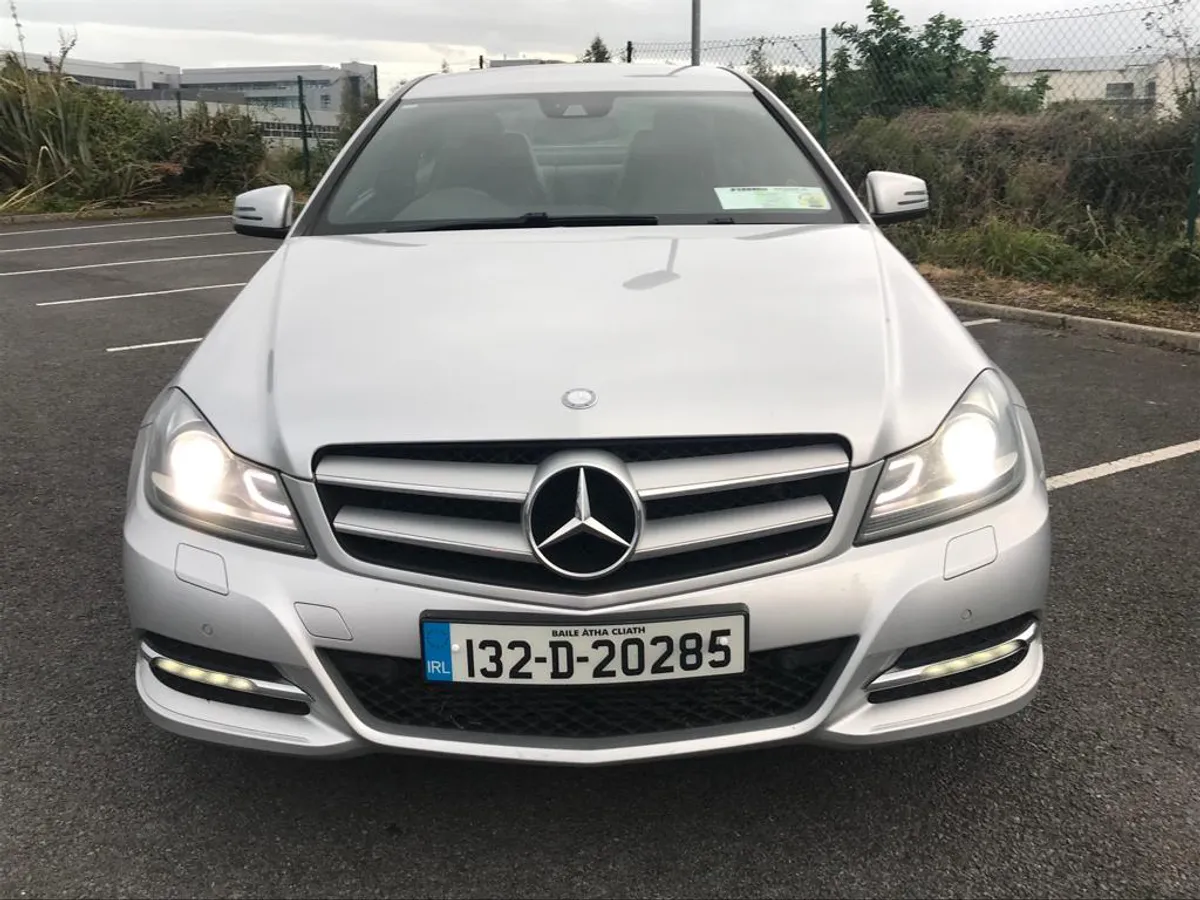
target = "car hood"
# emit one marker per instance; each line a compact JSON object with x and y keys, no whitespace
{"x":476,"y":335}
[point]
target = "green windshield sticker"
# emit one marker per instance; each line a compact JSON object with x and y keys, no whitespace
{"x":785,"y":197}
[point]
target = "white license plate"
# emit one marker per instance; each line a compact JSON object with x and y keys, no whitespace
{"x":584,"y":652}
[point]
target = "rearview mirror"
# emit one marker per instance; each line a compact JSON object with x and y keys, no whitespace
{"x":264,"y":212}
{"x":892,"y":197}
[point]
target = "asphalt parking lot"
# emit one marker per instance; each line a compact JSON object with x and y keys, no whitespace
{"x":1093,"y":791}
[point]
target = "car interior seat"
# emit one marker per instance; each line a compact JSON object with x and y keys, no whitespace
{"x":670,"y":167}
{"x":497,"y":162}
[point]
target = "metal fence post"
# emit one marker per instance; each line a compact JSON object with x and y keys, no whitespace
{"x":824,"y":88}
{"x":629,"y":51}
{"x":1194,"y":197}
{"x":695,"y":32}
{"x":179,"y":102}
{"x":304,"y":131}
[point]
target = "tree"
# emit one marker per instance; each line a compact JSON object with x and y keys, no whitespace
{"x":597,"y":52}
{"x":445,"y":66}
{"x":355,"y":107}
{"x":887,"y":67}
{"x":757,"y":64}
{"x":1180,"y":46}
{"x":801,"y":92}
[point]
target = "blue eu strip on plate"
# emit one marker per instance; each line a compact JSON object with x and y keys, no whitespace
{"x":438,"y":663}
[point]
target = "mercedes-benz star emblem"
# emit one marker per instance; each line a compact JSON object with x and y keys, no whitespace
{"x":583,"y":521}
{"x":579,"y":398}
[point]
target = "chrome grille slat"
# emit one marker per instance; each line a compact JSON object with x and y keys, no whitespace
{"x":681,"y":477}
{"x":418,"y":476}
{"x":439,"y":532}
{"x":456,"y":510}
{"x":683,"y":534}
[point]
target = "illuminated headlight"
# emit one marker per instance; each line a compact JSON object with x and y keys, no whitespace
{"x":974,"y":460}
{"x":193,"y":478}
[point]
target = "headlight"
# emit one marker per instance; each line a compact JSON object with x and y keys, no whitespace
{"x":974,"y":460}
{"x":193,"y":478}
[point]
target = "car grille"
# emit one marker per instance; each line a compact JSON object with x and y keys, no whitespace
{"x":777,"y":683}
{"x":455,"y":510}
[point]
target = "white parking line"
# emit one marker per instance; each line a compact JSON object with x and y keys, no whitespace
{"x":1122,"y":465}
{"x":134,"y":262}
{"x":168,"y":237}
{"x":975,"y":322}
{"x":4,"y":234}
{"x":156,"y":344}
{"x":186,"y":290}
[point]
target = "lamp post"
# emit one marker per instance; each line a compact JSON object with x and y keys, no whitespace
{"x":695,"y":32}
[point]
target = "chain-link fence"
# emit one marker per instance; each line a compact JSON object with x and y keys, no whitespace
{"x":1131,"y":58}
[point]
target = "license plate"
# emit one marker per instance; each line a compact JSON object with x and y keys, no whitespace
{"x":584,"y":653}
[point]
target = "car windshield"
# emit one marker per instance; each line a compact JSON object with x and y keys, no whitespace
{"x":605,"y":158}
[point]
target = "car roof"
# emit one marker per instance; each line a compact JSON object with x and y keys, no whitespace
{"x":577,"y":77}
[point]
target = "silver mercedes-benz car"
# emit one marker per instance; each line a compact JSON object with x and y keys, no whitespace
{"x":585,"y":415}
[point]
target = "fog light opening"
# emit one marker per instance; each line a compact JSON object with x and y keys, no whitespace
{"x":971,"y":661}
{"x":930,"y":673}
{"x":205,"y":676}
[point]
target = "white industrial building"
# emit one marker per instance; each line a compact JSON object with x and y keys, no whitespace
{"x":1135,"y":83}
{"x":115,"y":76}
{"x":279,"y":86}
{"x":269,"y":94}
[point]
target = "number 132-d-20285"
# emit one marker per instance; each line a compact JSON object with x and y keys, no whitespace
{"x":558,"y":654}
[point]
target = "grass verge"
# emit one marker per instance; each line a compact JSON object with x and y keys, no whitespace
{"x":967,"y":284}
{"x":198,"y":205}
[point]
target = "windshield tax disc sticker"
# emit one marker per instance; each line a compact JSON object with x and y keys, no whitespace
{"x":784,"y":197}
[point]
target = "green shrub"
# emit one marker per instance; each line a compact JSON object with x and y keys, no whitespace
{"x":217,"y":152}
{"x":61,"y":138}
{"x":1076,"y":168}
{"x":63,"y":144}
{"x":1174,"y":274}
{"x":1012,"y":250}
{"x":1071,"y":194}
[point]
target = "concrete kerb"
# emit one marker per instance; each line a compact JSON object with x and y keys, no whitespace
{"x":166,"y":209}
{"x":118,"y":213}
{"x":1187,"y":341}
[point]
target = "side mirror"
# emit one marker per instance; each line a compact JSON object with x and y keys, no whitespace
{"x":264,"y":212}
{"x":892,"y":197}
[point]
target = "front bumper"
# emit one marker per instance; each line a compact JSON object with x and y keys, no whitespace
{"x":980,"y":570}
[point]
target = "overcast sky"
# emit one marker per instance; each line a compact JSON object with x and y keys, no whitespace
{"x":411,"y":37}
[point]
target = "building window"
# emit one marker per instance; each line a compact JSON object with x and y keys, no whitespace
{"x":1120,"y":90}
{"x":326,"y":101}
{"x":96,"y":81}
{"x":1151,"y":90}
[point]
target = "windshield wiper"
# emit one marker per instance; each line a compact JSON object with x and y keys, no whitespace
{"x":528,"y":220}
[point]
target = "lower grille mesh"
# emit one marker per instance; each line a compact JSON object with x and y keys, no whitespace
{"x":782,"y":682}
